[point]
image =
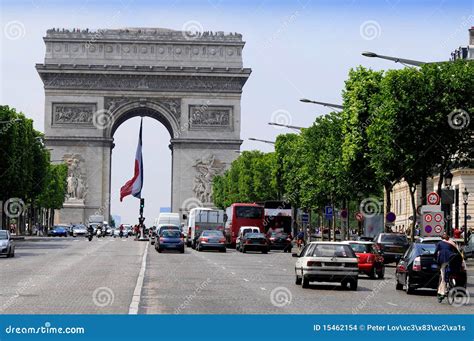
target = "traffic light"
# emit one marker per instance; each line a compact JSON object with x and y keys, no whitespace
{"x":142,"y":205}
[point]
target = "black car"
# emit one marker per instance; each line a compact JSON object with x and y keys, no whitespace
{"x":280,"y":241}
{"x":418,"y":269}
{"x":254,"y":242}
{"x":391,"y":245}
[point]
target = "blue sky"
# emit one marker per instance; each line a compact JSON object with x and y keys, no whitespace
{"x":295,"y":49}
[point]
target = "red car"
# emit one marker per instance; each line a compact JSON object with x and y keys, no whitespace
{"x":371,"y":262}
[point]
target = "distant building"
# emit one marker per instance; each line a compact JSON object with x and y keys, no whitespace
{"x":465,"y":52}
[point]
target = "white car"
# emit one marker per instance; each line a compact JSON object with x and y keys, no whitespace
{"x":242,"y":231}
{"x":327,"y":262}
{"x":117,"y":232}
{"x":79,"y":230}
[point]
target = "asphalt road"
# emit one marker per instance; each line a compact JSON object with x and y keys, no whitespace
{"x":114,"y":276}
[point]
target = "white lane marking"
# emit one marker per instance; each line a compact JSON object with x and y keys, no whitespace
{"x":245,"y":279}
{"x":395,"y":305}
{"x":233,"y":273}
{"x":133,"y":309}
{"x":263,"y":288}
{"x":223,"y":267}
{"x":284,"y":269}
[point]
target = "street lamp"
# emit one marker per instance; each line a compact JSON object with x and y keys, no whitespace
{"x":394,"y":59}
{"x":448,"y":179}
{"x":284,"y":125}
{"x":465,"y":198}
{"x":259,"y":140}
{"x":324,"y":104}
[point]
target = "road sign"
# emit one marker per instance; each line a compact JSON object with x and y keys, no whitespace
{"x":433,"y":198}
{"x":359,"y":216}
{"x":432,"y":224}
{"x":305,"y":218}
{"x":390,"y":217}
{"x":328,"y":212}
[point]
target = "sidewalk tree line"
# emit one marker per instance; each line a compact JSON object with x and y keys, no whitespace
{"x":26,"y":173}
{"x":408,"y":124}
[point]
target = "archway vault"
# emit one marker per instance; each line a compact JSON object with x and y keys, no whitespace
{"x":165,"y":110}
{"x":95,"y":81}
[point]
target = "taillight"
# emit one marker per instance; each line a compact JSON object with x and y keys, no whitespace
{"x":197,"y":227}
{"x":312,"y":263}
{"x":222,"y":240}
{"x":417,"y":264}
{"x":162,"y":239}
{"x":401,"y":268}
{"x":205,"y":240}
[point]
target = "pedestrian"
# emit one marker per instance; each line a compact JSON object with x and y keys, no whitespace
{"x":443,"y":252}
{"x":456,"y":232}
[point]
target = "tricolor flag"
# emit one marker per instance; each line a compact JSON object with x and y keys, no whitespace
{"x":135,"y":184}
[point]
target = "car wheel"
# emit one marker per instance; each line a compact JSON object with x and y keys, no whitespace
{"x":408,"y":289}
{"x":223,"y":250}
{"x":159,"y":250}
{"x":297,"y":280}
{"x":398,"y":286}
{"x":305,"y":283}
{"x":265,"y":252}
{"x":372,"y":273}
{"x":353,"y":285}
{"x":182,"y":250}
{"x":381,"y":273}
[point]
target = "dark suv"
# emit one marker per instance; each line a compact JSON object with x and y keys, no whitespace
{"x":391,"y":245}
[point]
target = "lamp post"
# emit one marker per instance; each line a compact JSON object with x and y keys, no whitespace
{"x":284,"y":125}
{"x":448,"y":179}
{"x":393,"y":59}
{"x":465,"y":198}
{"x":324,"y":104}
{"x":259,"y":140}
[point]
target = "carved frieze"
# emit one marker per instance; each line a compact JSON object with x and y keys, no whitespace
{"x":73,"y":113}
{"x":206,"y":169}
{"x":141,"y":82}
{"x":210,"y":117}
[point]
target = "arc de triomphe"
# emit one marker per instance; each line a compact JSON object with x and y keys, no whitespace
{"x":94,"y":81}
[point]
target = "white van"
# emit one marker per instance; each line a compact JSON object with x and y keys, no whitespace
{"x":200,"y":219}
{"x":168,"y":219}
{"x":244,"y":230}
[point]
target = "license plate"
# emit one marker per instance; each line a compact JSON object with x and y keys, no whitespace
{"x":434,"y":266}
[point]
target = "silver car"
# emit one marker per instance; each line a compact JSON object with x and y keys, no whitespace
{"x":327,"y":262}
{"x":79,"y":230}
{"x":7,"y":246}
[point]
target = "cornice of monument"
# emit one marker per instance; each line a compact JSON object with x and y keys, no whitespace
{"x":142,"y":35}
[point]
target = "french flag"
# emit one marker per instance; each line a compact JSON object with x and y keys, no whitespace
{"x":135,"y":184}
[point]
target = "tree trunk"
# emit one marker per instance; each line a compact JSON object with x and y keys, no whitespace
{"x":412,"y":188}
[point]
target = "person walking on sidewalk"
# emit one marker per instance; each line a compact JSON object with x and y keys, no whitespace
{"x":443,"y":252}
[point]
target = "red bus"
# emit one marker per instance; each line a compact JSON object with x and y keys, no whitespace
{"x":239,"y":215}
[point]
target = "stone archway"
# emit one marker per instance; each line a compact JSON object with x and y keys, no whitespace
{"x":94,"y":81}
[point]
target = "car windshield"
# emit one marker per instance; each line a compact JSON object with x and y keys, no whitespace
{"x":255,"y":235}
{"x":249,"y":212}
{"x":3,"y":235}
{"x":171,"y":227}
{"x":279,"y":235}
{"x":246,"y":231}
{"x":171,"y":234}
{"x":394,"y":238}
{"x":426,"y":249}
{"x":79,"y":227}
{"x":361,"y":248}
{"x":332,"y":250}
{"x":212,"y":233}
